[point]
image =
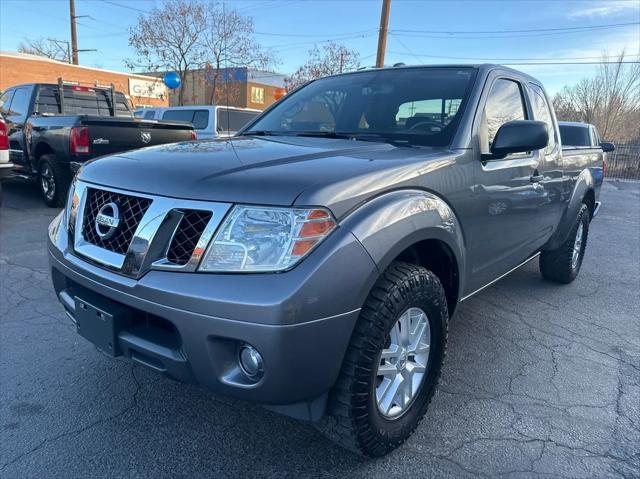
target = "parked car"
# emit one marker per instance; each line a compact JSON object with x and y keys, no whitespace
{"x":5,"y":163}
{"x":312,"y":263}
{"x":209,"y":121}
{"x":582,"y":135}
{"x":53,"y":129}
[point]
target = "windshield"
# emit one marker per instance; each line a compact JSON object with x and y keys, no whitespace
{"x":420,"y":106}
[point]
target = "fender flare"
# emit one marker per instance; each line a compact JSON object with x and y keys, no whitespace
{"x":389,"y":224}
{"x":584,"y":184}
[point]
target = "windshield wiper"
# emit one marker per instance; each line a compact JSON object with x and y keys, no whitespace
{"x":376,"y":137}
{"x":372,"y":137}
{"x":323,"y":134}
{"x":261,"y":133}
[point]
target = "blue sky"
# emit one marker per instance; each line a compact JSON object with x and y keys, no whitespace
{"x":292,"y":27}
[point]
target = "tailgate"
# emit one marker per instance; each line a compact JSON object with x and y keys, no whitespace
{"x":113,"y":134}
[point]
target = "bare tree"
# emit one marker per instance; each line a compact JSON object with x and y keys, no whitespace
{"x":46,"y":47}
{"x":332,"y":59}
{"x":229,"y":43}
{"x":170,"y":38}
{"x":610,"y":100}
{"x":185,"y":35}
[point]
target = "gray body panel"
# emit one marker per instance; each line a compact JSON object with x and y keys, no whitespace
{"x":491,"y":215}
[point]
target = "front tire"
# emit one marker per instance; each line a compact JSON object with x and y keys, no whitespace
{"x":399,"y":342}
{"x":562,"y":264}
{"x":53,"y":181}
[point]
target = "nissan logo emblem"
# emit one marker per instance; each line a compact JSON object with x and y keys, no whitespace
{"x":107,"y":220}
{"x":145,"y":136}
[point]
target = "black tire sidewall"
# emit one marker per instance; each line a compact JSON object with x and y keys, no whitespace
{"x":60,"y":179}
{"x":393,"y":430}
{"x":418,"y":291}
{"x":556,"y":265}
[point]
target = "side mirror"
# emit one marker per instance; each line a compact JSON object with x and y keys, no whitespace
{"x":518,"y":136}
{"x":607,"y":147}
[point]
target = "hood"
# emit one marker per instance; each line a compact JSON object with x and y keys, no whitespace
{"x":266,"y":170}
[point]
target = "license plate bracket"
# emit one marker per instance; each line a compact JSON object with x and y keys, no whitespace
{"x":100,"y":321}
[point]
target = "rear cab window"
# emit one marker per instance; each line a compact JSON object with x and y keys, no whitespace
{"x":575,"y":135}
{"x":80,"y":101}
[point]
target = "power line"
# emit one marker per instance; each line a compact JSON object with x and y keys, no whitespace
{"x":311,"y":35}
{"x":124,"y":6}
{"x":267,"y":4}
{"x":488,"y":37}
{"x":448,"y":57}
{"x":576,"y":63}
{"x":458,"y":32}
{"x":559,"y":62}
{"x":289,"y":46}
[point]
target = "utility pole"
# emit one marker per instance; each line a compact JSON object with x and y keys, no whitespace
{"x":382,"y":36}
{"x":74,"y":34}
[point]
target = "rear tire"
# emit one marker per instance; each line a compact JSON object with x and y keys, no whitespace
{"x":358,"y":417}
{"x":562,"y":264}
{"x":53,"y":181}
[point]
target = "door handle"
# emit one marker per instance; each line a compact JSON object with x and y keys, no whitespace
{"x":536,"y":177}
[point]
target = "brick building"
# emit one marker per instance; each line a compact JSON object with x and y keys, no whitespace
{"x":18,"y":68}
{"x":240,"y":87}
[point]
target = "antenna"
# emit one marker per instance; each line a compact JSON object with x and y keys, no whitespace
{"x":226,"y":66}
{"x":224,"y":46}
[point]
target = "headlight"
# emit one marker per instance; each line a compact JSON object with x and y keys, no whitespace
{"x":71,"y":207}
{"x":266,"y":239}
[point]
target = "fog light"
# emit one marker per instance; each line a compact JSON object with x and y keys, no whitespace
{"x":251,"y":362}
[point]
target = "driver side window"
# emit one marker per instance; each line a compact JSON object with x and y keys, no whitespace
{"x":505,"y":103}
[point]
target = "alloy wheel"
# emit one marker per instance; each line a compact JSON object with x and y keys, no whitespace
{"x":577,"y":246}
{"x":47,"y":181}
{"x":403,"y":363}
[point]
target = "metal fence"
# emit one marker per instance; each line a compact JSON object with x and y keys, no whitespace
{"x":624,"y":162}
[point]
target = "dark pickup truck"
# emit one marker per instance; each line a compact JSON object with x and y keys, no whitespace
{"x":54,"y":128}
{"x":313,"y":262}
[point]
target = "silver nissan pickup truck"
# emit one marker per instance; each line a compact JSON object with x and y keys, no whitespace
{"x":312,"y":263}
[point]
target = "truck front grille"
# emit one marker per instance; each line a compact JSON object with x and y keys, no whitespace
{"x":131,"y":210}
{"x":187,"y":234}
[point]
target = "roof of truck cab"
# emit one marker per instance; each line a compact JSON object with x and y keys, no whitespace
{"x":101,"y":87}
{"x":483,"y":68}
{"x":579,"y":124}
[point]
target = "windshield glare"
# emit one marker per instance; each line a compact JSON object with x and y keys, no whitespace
{"x":421,"y":106}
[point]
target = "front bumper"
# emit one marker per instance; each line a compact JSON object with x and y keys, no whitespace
{"x":189,"y":326}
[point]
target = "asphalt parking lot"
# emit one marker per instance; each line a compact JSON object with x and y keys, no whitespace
{"x":540,"y":381}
